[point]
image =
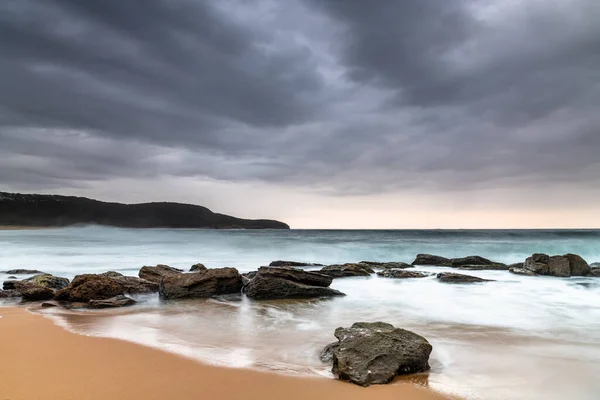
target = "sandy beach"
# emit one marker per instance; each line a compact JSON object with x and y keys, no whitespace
{"x":19,"y":228}
{"x":42,"y":360}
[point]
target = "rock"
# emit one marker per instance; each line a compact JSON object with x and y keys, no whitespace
{"x":470,"y":260}
{"x":487,"y":267}
{"x":212,"y":282}
{"x":246,"y":277}
{"x":157,"y":273}
{"x":31,"y":292}
{"x":521,"y":271}
{"x":561,"y":266}
{"x":429,"y":259}
{"x":326,"y":355}
{"x":198,"y":267}
{"x":12,"y":277}
{"x":579,"y":267}
{"x":516,"y":265}
{"x":394,"y":264}
{"x":49,"y":281}
{"x":48,"y":305}
{"x":400,"y":273}
{"x":451,"y":277}
{"x":595,"y":272}
{"x":285,"y":283}
{"x":135,"y":285}
{"x":112,"y":274}
{"x":595,"y":264}
{"x":6,"y":294}
{"x":9,"y":285}
{"x":117,"y":301}
{"x":375,"y":353}
{"x":23,"y":272}
{"x":88,"y":287}
{"x":346,"y":270}
{"x":280,"y":263}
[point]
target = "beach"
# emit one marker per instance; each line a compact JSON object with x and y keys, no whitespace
{"x":42,"y":360}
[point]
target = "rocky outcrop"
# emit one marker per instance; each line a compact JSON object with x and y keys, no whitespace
{"x":595,"y":272}
{"x":112,"y":274}
{"x":157,"y":273}
{"x":32,"y":292}
{"x":117,"y":301}
{"x":451,"y":277}
{"x":280,"y":263}
{"x":88,"y":287}
{"x":212,"y":282}
{"x":375,"y":353}
{"x":23,"y":272}
{"x":49,"y":281}
{"x":429,"y":259}
{"x":401,"y":274}
{"x":198,"y":267}
{"x":289,"y":283}
{"x":6,"y":294}
{"x":134,"y":285}
{"x":560,"y":266}
{"x":470,"y":260}
{"x":346,"y":270}
{"x":393,"y":264}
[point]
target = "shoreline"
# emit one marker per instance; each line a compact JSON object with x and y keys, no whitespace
{"x":44,"y":360}
{"x":22,"y":227}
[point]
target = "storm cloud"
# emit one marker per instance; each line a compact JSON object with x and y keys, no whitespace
{"x":340,"y":97}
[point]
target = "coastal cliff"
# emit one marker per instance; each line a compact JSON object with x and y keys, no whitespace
{"x":52,"y":210}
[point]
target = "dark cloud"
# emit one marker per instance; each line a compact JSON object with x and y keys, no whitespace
{"x":343,"y":96}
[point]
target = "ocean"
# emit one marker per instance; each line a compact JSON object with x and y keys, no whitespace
{"x":515,"y":338}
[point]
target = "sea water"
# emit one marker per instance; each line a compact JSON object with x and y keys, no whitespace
{"x":515,"y":338}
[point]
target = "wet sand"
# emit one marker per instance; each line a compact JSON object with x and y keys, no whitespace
{"x":20,"y":228}
{"x":42,"y":360}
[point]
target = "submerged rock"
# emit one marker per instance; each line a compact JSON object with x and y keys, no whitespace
{"x":157,"y":273}
{"x":32,"y":292}
{"x":23,"y":272}
{"x":400,"y":274}
{"x":49,"y":281}
{"x":281,"y":263}
{"x":451,"y":277}
{"x":288,"y":283}
{"x":375,"y":353}
{"x":393,"y":264}
{"x":117,"y":301}
{"x":12,"y":277}
{"x":212,"y":282}
{"x":346,"y":270}
{"x":521,"y":271}
{"x":198,"y":267}
{"x":429,"y":259}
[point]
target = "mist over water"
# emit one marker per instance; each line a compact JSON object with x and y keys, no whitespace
{"x":515,"y":338}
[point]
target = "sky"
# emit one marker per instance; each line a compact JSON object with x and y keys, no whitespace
{"x":320,"y":113}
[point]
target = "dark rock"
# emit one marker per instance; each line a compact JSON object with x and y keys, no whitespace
{"x":346,"y":270}
{"x":521,"y":271}
{"x":393,"y":264}
{"x":296,"y":275}
{"x":31,"y":292}
{"x":198,"y":267}
{"x":516,"y":265}
{"x":537,"y":263}
{"x":579,"y":267}
{"x":470,"y":260}
{"x":487,"y":267}
{"x":280,"y":263}
{"x":12,"y":277}
{"x":135,"y":285}
{"x":6,"y":294}
{"x":400,"y":273}
{"x":91,"y":287}
{"x":48,"y":305}
{"x":559,"y":266}
{"x":157,"y":273}
{"x":117,"y":301}
{"x":375,"y":353}
{"x":326,"y":355}
{"x":9,"y":285}
{"x":595,"y":272}
{"x":23,"y":272}
{"x":246,"y":277}
{"x":112,"y":274}
{"x":212,"y":282}
{"x":49,"y":281}
{"x":451,"y":277}
{"x":429,"y":259}
{"x":268,"y":287}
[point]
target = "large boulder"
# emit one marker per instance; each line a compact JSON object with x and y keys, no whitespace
{"x":375,"y":353}
{"x":157,"y":273}
{"x":451,"y":277}
{"x":289,"y":283}
{"x":88,"y":287}
{"x":198,"y":267}
{"x":23,"y":272}
{"x":346,"y":270}
{"x":429,"y":259}
{"x":32,"y":292}
{"x":49,"y":281}
{"x":401,"y":274}
{"x":212,"y":282}
{"x":117,"y":301}
{"x":560,"y":266}
{"x":281,"y":263}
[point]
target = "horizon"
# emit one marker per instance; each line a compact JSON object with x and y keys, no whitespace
{"x":416,"y":114}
